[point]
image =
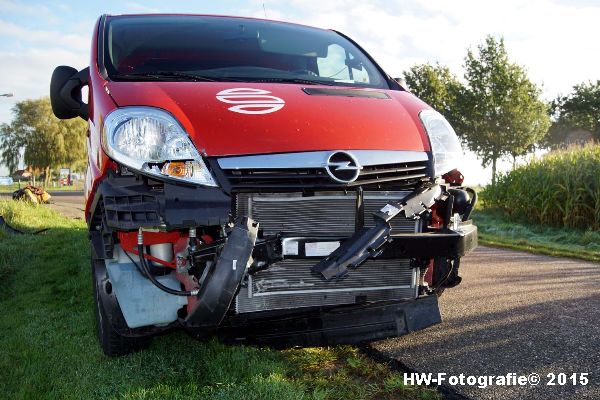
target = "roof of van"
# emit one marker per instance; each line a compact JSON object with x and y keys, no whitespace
{"x":211,"y":16}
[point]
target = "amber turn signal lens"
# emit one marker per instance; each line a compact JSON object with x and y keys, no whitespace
{"x":176,"y":169}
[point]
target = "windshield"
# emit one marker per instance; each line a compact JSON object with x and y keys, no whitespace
{"x":220,"y":49}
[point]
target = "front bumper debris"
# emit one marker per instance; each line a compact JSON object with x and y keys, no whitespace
{"x":341,"y":325}
{"x":222,"y":283}
{"x":372,"y":242}
{"x":129,"y":202}
{"x":367,"y":316}
{"x":449,"y":244}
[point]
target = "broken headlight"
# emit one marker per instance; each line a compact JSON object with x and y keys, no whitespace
{"x":150,"y":140}
{"x":445,"y":145}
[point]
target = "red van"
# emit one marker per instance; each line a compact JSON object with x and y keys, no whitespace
{"x":260,"y":181}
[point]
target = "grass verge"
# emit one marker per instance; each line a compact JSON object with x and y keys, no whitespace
{"x":495,"y":229}
{"x":48,"y":347}
{"x":11,"y":188}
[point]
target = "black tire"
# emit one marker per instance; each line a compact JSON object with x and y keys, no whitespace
{"x":113,"y":344}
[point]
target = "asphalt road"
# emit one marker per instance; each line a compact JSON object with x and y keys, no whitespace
{"x":513,"y":312}
{"x":70,"y":204}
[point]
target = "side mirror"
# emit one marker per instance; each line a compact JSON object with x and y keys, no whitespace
{"x":402,"y":83}
{"x":65,"y":92}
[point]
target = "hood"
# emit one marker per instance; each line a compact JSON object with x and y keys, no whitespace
{"x":256,"y":118}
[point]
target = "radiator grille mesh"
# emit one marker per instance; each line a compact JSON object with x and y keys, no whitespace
{"x":290,"y":284}
{"x":328,"y":213}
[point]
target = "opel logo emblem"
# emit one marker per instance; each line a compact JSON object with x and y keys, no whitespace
{"x":342,"y":167}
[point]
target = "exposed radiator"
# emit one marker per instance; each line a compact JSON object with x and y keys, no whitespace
{"x":290,"y":284}
{"x":326,"y":213}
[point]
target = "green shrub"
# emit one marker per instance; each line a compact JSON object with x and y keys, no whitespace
{"x":561,"y":189}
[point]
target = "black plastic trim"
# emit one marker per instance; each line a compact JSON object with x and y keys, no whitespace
{"x":221,"y":285}
{"x":371,"y":94}
{"x":447,"y":244}
{"x":339,"y":325}
{"x":433,"y":244}
{"x":100,"y":44}
{"x":132,"y":201}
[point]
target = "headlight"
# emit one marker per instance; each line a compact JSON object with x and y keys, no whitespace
{"x":445,"y":145}
{"x":150,"y":140}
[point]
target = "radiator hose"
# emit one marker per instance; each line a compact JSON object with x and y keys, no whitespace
{"x":151,"y":277}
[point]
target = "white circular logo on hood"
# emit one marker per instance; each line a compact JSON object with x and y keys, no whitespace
{"x":250,"y":101}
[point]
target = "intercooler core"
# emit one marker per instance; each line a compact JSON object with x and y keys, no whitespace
{"x":290,"y":282}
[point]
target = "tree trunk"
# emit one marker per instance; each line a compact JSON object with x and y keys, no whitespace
{"x":494,"y":171}
{"x":514,"y":161}
{"x":47,"y":177}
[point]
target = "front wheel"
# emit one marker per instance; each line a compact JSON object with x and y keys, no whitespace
{"x":112,"y":343}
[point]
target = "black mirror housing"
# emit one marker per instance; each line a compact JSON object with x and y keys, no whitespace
{"x":65,"y":92}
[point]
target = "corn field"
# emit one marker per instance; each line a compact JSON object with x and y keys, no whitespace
{"x":561,"y":188}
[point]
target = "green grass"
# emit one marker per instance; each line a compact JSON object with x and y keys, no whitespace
{"x":48,"y":347}
{"x":11,"y":188}
{"x":496,"y":229}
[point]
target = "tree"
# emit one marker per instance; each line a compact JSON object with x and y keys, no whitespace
{"x":502,"y":110}
{"x":438,"y":87}
{"x":10,"y":147}
{"x":578,"y":110}
{"x":44,"y":141}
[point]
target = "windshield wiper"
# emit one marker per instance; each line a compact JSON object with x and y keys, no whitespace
{"x":188,"y":76}
{"x":291,"y":80}
{"x":171,"y":75}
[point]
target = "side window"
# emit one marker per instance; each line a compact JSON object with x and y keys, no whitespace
{"x":333,"y":65}
{"x":359,"y":72}
{"x":340,"y":65}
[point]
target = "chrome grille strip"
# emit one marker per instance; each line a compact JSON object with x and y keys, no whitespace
{"x":377,"y":169}
{"x":317,"y":159}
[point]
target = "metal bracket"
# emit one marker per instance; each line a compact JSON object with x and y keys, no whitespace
{"x":367,"y":243}
{"x":413,"y":205}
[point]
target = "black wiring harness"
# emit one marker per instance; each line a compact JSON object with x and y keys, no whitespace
{"x":146,"y":271}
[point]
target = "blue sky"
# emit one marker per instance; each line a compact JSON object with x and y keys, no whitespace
{"x":557,"y":41}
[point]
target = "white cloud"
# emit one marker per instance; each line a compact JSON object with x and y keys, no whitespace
{"x":28,"y":62}
{"x":27,"y":74}
{"x":32,"y":10}
{"x":140,"y":8}
{"x":556,"y":41}
{"x":46,"y":37}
